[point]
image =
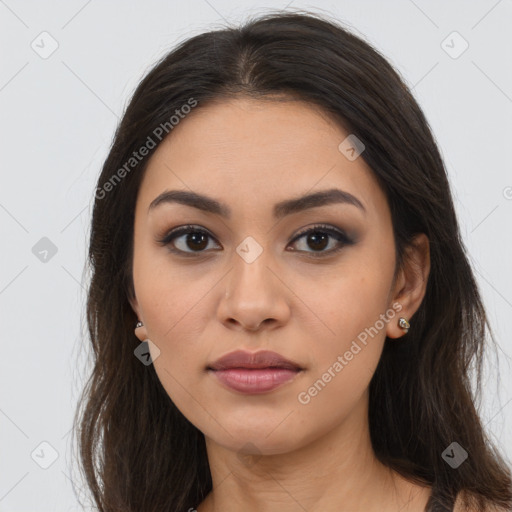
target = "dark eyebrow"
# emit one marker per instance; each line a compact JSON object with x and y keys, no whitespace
{"x":324,"y":197}
{"x":205,"y":203}
{"x":288,"y":207}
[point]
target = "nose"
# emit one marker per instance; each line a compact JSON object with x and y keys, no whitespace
{"x":254,"y":296}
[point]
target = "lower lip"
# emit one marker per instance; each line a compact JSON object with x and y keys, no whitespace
{"x":254,"y":380}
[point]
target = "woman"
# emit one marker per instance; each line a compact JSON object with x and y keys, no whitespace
{"x":282,"y":313}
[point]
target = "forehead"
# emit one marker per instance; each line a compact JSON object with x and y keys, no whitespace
{"x":258,"y":150}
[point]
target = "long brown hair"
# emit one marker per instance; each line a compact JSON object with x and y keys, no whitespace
{"x":137,"y":451}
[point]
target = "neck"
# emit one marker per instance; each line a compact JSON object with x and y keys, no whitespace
{"x":337,"y":471}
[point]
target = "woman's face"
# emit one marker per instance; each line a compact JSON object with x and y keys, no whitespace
{"x":247,"y":280}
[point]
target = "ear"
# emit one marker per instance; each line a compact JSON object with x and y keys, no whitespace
{"x":411,"y":282}
{"x":140,"y":332}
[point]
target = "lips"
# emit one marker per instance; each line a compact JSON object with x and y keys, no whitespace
{"x":257,"y":360}
{"x":254,"y":373}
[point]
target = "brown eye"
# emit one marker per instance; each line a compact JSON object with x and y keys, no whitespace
{"x":317,"y":240}
{"x":319,"y":237}
{"x":196,"y":241}
{"x":187,"y":239}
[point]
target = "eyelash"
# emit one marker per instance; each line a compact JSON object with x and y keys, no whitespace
{"x":340,"y":236}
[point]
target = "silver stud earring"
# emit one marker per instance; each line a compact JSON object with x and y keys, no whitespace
{"x":139,"y":324}
{"x":404,"y":324}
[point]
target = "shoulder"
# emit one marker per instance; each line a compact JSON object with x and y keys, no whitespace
{"x":465,"y":503}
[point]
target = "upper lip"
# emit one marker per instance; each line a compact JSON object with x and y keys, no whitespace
{"x":262,"y":359}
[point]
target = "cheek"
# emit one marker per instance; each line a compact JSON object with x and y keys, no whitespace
{"x":173,"y":303}
{"x":345,"y":362}
{"x":355,"y":307}
{"x":170,"y":294}
{"x":175,"y":313}
{"x":176,"y":332}
{"x":357,"y":295}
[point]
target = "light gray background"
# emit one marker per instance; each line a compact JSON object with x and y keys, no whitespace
{"x":58,"y":116}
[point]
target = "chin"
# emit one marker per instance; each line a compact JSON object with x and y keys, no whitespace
{"x":257,"y":440}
